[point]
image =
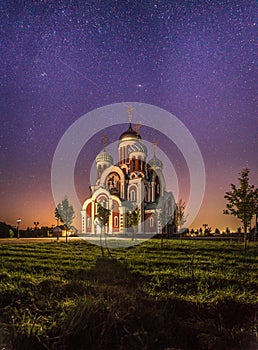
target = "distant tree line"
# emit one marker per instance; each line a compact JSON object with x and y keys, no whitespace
{"x":9,"y":231}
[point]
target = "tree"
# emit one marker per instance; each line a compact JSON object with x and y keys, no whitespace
{"x":242,"y":201}
{"x":132,"y":219}
{"x":36,"y":223}
{"x":207,"y":231}
{"x":162,"y":218}
{"x":205,"y":227}
{"x":217,"y":231}
{"x":11,"y":233}
{"x":57,"y":216}
{"x":103,"y":216}
{"x":180,"y":218}
{"x":65,"y":213}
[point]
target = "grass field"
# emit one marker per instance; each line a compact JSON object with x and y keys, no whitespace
{"x":194,"y":295}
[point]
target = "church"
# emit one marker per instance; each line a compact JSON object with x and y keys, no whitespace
{"x":134,"y":182}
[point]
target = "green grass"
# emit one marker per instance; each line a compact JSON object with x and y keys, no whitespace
{"x":194,"y":295}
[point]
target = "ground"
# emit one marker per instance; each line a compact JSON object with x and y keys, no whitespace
{"x":189,"y":295}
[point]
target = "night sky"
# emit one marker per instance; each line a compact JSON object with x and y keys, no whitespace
{"x":63,"y":59}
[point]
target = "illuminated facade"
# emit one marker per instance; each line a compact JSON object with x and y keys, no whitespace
{"x":133,"y":182}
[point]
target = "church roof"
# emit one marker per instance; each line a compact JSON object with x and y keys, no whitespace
{"x":137,"y":147}
{"x":104,"y":156}
{"x":155,"y":163}
{"x":130,"y":134}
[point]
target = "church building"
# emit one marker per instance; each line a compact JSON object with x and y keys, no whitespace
{"x":134,"y":182}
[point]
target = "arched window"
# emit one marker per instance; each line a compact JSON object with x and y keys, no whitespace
{"x":99,"y":170}
{"x":116,"y":221}
{"x":133,"y":163}
{"x":146,"y":193}
{"x":140,"y":163}
{"x":88,"y":222}
{"x":124,"y":155}
{"x":158,"y":188}
{"x":151,"y":222}
{"x":132,"y":195}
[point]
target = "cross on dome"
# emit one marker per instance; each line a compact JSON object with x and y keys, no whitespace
{"x":155,"y":144}
{"x":130,"y":110}
{"x":104,"y":139}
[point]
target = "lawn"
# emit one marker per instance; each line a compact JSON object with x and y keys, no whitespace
{"x":189,"y":295}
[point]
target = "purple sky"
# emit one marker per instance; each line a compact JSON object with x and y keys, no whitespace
{"x":62,"y":59}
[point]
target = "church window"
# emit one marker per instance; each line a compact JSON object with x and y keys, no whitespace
{"x":133,"y":163}
{"x":151,"y":222}
{"x":132,"y":195}
{"x":146,"y":193}
{"x":123,"y":154}
{"x":88,"y":222}
{"x":99,"y":171}
{"x":116,"y":221}
{"x":158,"y":188}
{"x":140,"y":163}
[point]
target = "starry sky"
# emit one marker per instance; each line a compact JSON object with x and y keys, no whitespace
{"x":63,"y":59}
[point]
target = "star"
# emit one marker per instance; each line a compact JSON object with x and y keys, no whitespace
{"x":190,"y":58}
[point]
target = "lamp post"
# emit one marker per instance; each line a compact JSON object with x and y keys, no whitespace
{"x":18,"y":223}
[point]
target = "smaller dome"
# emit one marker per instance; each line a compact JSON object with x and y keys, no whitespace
{"x":130,"y":134}
{"x":156,"y":163}
{"x":137,"y":147}
{"x":104,"y":157}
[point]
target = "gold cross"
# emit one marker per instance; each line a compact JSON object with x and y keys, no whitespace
{"x":130,"y":110}
{"x":104,"y":139}
{"x":155,"y":144}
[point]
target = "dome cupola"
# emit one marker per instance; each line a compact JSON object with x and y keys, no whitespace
{"x":156,"y":163}
{"x":104,"y":157}
{"x":129,"y":135}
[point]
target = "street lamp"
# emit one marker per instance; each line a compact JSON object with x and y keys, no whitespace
{"x":18,"y":223}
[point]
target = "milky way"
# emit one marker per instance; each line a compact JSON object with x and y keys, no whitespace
{"x":62,"y":59}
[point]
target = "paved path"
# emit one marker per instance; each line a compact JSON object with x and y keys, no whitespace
{"x":110,"y":242}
